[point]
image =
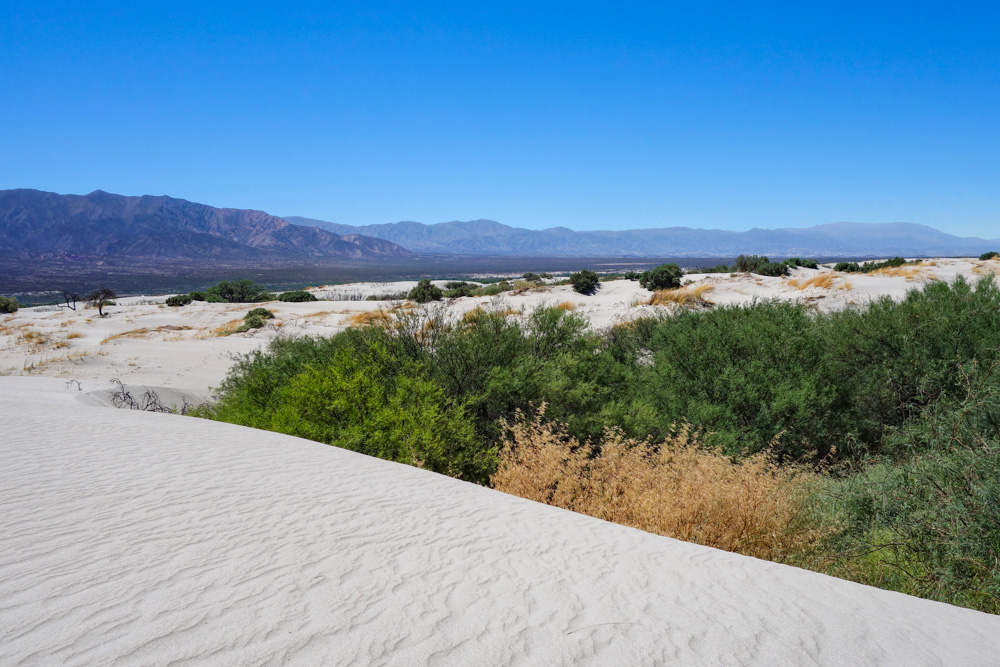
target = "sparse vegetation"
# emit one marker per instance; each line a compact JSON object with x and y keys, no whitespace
{"x":986,"y":256}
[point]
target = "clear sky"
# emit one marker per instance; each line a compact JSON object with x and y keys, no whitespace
{"x":589,"y":116}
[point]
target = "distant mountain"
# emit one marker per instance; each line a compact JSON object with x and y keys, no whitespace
{"x":45,"y":225}
{"x":839,"y":239}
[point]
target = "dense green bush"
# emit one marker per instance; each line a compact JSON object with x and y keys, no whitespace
{"x":664,"y":276}
{"x":425,"y":291}
{"x":454,"y":290}
{"x":993,"y":254}
{"x":178,"y":300}
{"x":197,"y":296}
{"x":585,"y":281}
{"x":240,"y":291}
{"x":8,"y":304}
{"x":297,"y":296}
{"x":923,"y":519}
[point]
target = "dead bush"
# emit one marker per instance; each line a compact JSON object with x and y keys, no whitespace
{"x":676,"y":488}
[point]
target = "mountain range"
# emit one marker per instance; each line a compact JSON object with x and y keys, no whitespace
{"x":838,"y":239}
{"x":44,"y":225}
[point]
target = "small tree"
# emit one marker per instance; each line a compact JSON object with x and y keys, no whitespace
{"x":425,"y":292}
{"x":100,"y":297}
{"x":240,"y":291}
{"x":585,"y":282}
{"x":664,"y":276}
{"x":71,"y":298}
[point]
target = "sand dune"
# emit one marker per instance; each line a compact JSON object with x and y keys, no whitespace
{"x":141,"y":538}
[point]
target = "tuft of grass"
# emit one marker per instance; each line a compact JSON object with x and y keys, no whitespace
{"x":567,"y":306}
{"x":909,"y":273}
{"x":75,"y":334}
{"x":691,"y":296}
{"x":676,"y":488}
{"x":822,"y":281}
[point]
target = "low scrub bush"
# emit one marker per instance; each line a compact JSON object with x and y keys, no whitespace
{"x":178,"y":300}
{"x":425,"y":291}
{"x":298,"y":296}
{"x":799,"y":262}
{"x":675,"y":488}
{"x":8,"y":304}
{"x":993,"y":254}
{"x":585,"y":281}
{"x":197,"y":296}
{"x":868,"y":267}
{"x":664,"y":276}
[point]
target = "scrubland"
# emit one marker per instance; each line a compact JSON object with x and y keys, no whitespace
{"x":864,"y":443}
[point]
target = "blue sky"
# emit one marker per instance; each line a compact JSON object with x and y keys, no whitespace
{"x":580,"y":115}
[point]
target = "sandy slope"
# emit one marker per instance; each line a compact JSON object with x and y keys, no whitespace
{"x":140,"y":538}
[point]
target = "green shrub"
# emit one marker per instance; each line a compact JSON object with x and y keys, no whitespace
{"x":240,"y":291}
{"x":425,"y":292}
{"x":804,"y":263}
{"x":262,"y":313}
{"x":8,"y":304}
{"x":532,"y":277}
{"x":298,"y":296}
{"x":923,"y":519}
{"x":664,"y":276}
{"x":585,"y":281}
{"x":457,"y":284}
{"x":178,"y":300}
{"x":197,"y":296}
{"x":459,"y":289}
{"x":993,"y":254}
{"x":848,"y":267}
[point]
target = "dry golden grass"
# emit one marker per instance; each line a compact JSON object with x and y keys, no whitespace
{"x":677,"y":489}
{"x":907,"y":272}
{"x":224,"y":329}
{"x":987,"y":268}
{"x":75,"y":334}
{"x":566,"y":305}
{"x":822,"y":281}
{"x":692,"y":295}
{"x":366,"y":317}
{"x":145,"y":332}
{"x":845,"y":286}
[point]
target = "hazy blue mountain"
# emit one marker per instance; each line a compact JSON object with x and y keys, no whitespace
{"x":35,"y":224}
{"x":486,"y":237}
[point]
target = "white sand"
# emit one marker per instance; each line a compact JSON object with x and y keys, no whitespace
{"x":141,"y":538}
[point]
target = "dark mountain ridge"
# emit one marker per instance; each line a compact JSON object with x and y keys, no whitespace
{"x":838,"y":239}
{"x":42,"y":225}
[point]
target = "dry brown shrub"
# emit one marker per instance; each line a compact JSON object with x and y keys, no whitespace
{"x":693,"y":295}
{"x":677,"y":488}
{"x":566,"y":305}
{"x":75,"y":334}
